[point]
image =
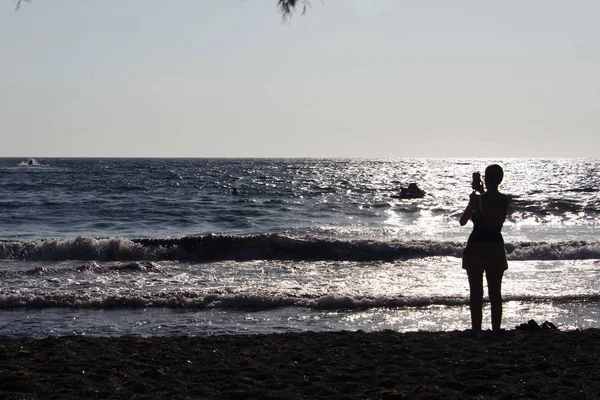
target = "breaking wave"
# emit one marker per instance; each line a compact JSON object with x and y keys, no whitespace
{"x":271,"y":247}
{"x":193,"y":300}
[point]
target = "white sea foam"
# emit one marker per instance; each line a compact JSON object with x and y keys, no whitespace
{"x":276,"y":247}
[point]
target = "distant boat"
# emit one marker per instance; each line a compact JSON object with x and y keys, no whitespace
{"x":413,"y":191}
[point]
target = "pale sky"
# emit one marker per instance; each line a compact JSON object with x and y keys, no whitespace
{"x":351,"y":78}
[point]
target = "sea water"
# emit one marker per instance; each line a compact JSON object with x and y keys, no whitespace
{"x":159,"y":247}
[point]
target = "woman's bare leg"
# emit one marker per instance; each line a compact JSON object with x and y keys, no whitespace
{"x":476,"y":298}
{"x":494,"y":281}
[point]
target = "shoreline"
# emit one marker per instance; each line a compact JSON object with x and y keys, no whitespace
{"x":345,"y":364}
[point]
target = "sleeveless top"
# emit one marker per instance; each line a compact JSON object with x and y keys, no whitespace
{"x":481,"y":232}
{"x":485,"y":248}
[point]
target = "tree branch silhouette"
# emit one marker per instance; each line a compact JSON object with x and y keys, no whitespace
{"x":286,"y":7}
{"x":18,"y":6}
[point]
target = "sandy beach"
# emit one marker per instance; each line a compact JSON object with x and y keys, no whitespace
{"x":379,"y":365}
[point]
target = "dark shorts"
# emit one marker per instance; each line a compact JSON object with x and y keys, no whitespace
{"x":485,"y":256}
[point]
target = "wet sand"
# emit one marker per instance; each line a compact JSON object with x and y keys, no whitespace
{"x":336,"y":365}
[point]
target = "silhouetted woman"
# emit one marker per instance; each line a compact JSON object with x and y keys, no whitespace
{"x":485,"y":248}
